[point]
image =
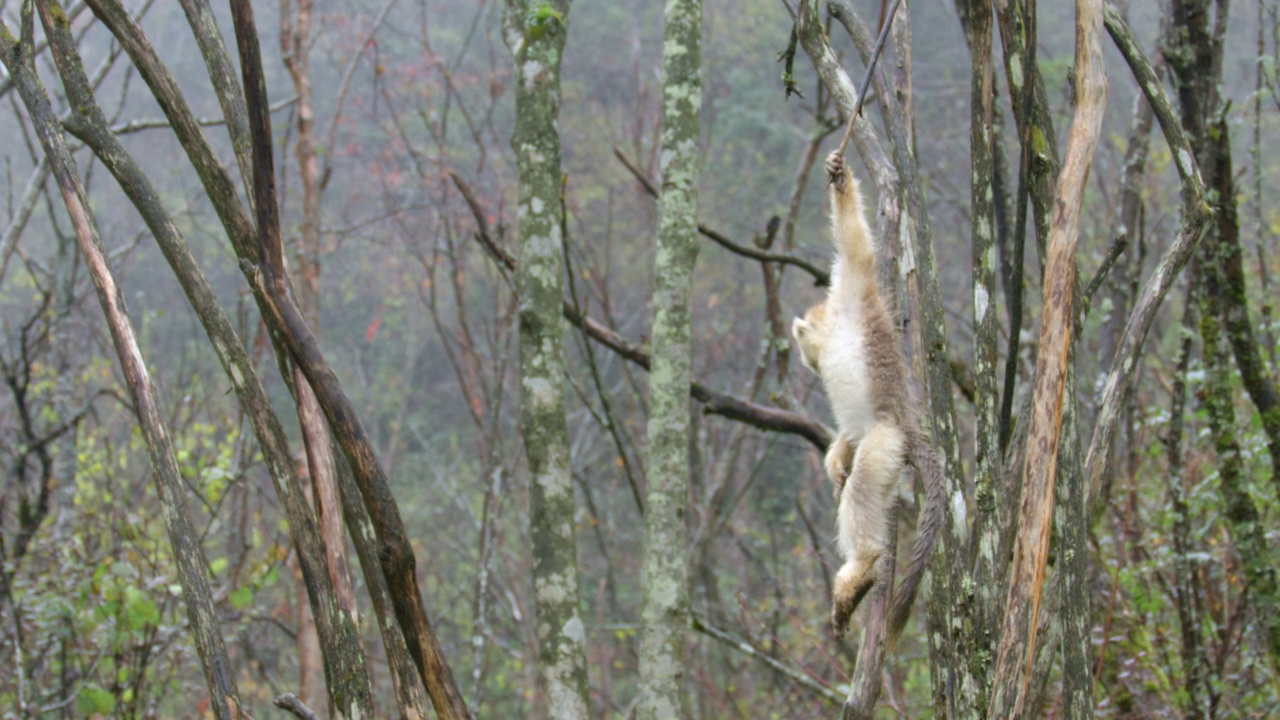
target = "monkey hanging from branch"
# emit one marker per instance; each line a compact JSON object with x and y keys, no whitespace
{"x":852,"y":342}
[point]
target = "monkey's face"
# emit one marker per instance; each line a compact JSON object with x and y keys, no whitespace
{"x":810,"y":334}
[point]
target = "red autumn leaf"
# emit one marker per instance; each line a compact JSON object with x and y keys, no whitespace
{"x":372,"y":331}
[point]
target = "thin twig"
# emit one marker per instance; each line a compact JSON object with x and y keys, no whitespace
{"x":139,"y":125}
{"x":1113,"y":254}
{"x":746,"y":647}
{"x":713,"y":402}
{"x":299,"y":709}
{"x":821,"y":277}
{"x":866,"y":77}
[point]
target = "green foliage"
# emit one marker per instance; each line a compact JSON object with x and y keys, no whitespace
{"x":93,"y":700}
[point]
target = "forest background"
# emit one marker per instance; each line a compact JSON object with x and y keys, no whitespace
{"x":398,"y":186}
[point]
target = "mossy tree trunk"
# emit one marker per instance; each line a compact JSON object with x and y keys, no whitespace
{"x":664,"y":583}
{"x":1195,"y":42}
{"x":536,"y":33}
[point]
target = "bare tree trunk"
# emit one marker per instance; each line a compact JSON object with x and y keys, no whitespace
{"x":1031,"y":548}
{"x":16,"y":55}
{"x":665,"y":583}
{"x":270,"y":281}
{"x":295,"y":39}
{"x":536,"y":35}
{"x":409,"y":690}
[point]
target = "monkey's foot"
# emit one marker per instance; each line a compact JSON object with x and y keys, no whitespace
{"x":853,"y":582}
{"x":838,"y":462}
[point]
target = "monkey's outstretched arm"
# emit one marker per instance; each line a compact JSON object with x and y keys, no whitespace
{"x":857,"y":251}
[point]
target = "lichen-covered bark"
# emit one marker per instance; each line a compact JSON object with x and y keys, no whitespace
{"x":1225,"y":295}
{"x":978,"y":626}
{"x":226,"y":82}
{"x":1015,"y":31}
{"x":1038,"y":171}
{"x":1073,"y":562}
{"x":535,"y":32}
{"x":1231,"y":294}
{"x":664,"y":583}
{"x":1238,"y":508}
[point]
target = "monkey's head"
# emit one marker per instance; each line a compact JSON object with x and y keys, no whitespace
{"x":810,"y":333}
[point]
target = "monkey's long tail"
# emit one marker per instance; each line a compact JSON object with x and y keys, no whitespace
{"x":922,"y":457}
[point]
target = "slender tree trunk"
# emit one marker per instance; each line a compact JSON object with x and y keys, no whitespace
{"x":1195,"y":56}
{"x":978,"y":632}
{"x":536,"y":34}
{"x":1185,"y":585}
{"x":295,"y":40}
{"x":664,"y":583}
{"x":1031,"y":548}
{"x":270,"y":281}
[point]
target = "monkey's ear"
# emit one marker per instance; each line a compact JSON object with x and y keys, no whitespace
{"x":802,"y":330}
{"x":799,"y":327}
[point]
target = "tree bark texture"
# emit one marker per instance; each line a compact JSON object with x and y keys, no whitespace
{"x":1072,"y":567}
{"x":536,"y":34}
{"x":1031,"y":548}
{"x":978,"y":626}
{"x":1224,"y":294}
{"x":219,"y":675}
{"x":295,"y":40}
{"x":664,"y":581}
{"x":1190,"y":618}
{"x":1036,"y":127}
{"x":226,"y":83}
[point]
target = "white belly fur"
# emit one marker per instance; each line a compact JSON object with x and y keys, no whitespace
{"x":844,"y":371}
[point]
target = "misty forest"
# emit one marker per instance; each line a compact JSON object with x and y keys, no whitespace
{"x":535,"y":359}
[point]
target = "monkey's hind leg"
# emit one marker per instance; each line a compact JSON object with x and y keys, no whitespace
{"x":863,"y":518}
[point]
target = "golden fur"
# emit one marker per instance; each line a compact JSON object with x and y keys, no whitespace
{"x":852,"y":342}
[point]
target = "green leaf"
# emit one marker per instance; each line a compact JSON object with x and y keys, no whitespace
{"x":93,"y":700}
{"x":140,"y":611}
{"x":241,"y":598}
